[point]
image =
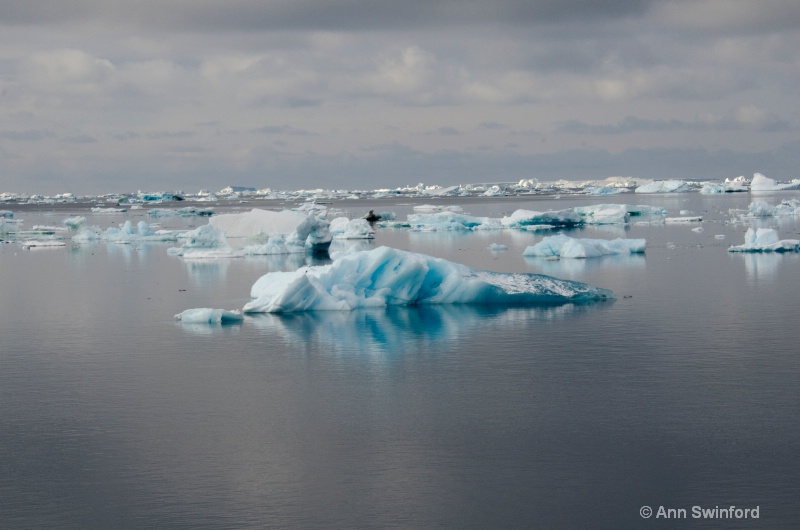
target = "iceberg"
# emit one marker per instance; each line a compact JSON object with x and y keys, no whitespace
{"x":6,"y":214}
{"x":685,"y":219}
{"x":345,"y":228}
{"x":664,"y":186}
{"x":42,"y":243}
{"x":762,"y":183}
{"x":568,"y":247}
{"x":188,"y":211}
{"x":596,"y":214}
{"x":308,"y":231}
{"x":205,"y":315}
{"x":204,"y":242}
{"x":386,"y":276}
{"x":766,"y":240}
{"x":446,"y":220}
{"x":764,"y":209}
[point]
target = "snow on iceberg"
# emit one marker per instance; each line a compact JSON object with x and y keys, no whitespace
{"x":664,"y":186}
{"x":204,"y":242}
{"x":309,"y":231}
{"x":205,"y":315}
{"x":764,"y":209}
{"x":345,"y":228}
{"x":596,"y":214}
{"x":442,"y":221}
{"x":766,"y":240}
{"x":762,"y":183}
{"x":386,"y":276}
{"x":568,"y":247}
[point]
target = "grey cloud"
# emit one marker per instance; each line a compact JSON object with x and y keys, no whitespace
{"x":631,"y":124}
{"x":26,"y":136}
{"x":325,"y":15}
{"x":284,"y":130}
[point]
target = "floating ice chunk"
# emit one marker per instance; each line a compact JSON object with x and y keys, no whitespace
{"x":42,"y":243}
{"x":522,"y":219}
{"x":604,"y":214}
{"x":442,"y":221}
{"x":719,"y":236}
{"x":597,"y":214}
{"x":188,"y":211}
{"x":204,"y":242}
{"x":567,"y":247}
{"x":497,"y":247}
{"x":205,"y":315}
{"x":308,"y":230}
{"x":762,"y":183}
{"x":603,"y":190}
{"x":100,"y":210}
{"x":685,"y":219}
{"x":764,"y":209}
{"x":344,"y":228}
{"x":698,"y":230}
{"x":430,"y":208}
{"x":386,"y":276}
{"x":664,"y":186}
{"x":6,"y":214}
{"x":765,"y":240}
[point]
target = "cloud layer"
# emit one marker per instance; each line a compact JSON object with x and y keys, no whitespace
{"x":110,"y":96}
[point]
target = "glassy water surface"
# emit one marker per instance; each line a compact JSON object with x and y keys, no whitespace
{"x":681,"y":393}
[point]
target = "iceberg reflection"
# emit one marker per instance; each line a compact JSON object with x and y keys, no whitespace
{"x":397,"y":329}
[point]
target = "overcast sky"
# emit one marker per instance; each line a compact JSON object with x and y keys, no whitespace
{"x":103,"y":95}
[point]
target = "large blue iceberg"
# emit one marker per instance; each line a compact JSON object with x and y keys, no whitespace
{"x":385,"y":276}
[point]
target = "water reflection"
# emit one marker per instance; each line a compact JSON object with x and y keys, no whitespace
{"x":761,"y":265}
{"x":556,"y":267}
{"x":398,"y":330}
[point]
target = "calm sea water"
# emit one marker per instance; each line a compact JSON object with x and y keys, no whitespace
{"x":682,"y":393}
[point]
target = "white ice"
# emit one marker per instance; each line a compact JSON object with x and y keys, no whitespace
{"x":665,"y":186}
{"x":306,"y":230}
{"x":567,"y":247}
{"x":205,"y":315}
{"x":204,"y":242}
{"x":597,"y":214}
{"x":445,"y":221}
{"x":765,"y":240}
{"x":386,"y":276}
{"x":764,"y":209}
{"x":345,"y":228}
{"x":762,"y":183}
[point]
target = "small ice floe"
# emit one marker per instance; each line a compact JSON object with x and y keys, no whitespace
{"x":345,"y":228}
{"x":664,"y":186}
{"x":685,"y":219}
{"x":567,"y":247}
{"x":766,"y":240}
{"x":430,"y":208}
{"x":497,"y":247}
{"x":42,"y":243}
{"x":307,"y":230}
{"x":719,"y":236}
{"x":205,"y":315}
{"x":698,"y":230}
{"x":762,"y":183}
{"x":101,"y":210}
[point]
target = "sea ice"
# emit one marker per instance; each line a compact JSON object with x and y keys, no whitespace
{"x":764,"y":209}
{"x":765,"y":240}
{"x":309,"y":231}
{"x":664,"y":186}
{"x":6,"y":214}
{"x":762,"y":183}
{"x":685,"y":219}
{"x":205,"y":315}
{"x":345,"y":228}
{"x":443,"y":221}
{"x":596,"y":214}
{"x":568,"y":247}
{"x":204,"y":242}
{"x":386,"y":276}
